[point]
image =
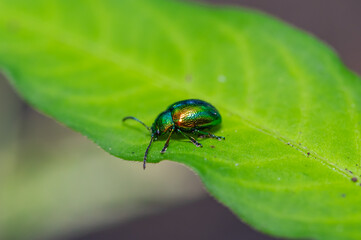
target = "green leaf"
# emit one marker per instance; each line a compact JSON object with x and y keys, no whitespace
{"x":291,"y":110}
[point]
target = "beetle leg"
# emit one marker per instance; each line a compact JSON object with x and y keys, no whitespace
{"x":190,"y":138}
{"x":209,"y":134}
{"x":167,"y":142}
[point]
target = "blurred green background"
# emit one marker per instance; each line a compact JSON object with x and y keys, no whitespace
{"x":56,"y":184}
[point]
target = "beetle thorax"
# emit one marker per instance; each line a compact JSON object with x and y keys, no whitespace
{"x":163,"y":123}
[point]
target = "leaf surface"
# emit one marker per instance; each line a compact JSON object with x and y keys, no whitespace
{"x":291,"y":110}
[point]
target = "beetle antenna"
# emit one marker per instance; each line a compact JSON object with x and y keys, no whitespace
{"x":146,"y":152}
{"x":136,"y":119}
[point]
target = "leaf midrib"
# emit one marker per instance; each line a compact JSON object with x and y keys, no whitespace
{"x":32,"y":25}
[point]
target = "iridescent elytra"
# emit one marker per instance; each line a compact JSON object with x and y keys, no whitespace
{"x":187,"y":116}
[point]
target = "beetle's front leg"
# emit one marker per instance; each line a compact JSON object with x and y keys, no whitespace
{"x":167,"y":142}
{"x":209,"y":134}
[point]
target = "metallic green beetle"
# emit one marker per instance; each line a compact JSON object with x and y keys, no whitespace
{"x":190,"y":116}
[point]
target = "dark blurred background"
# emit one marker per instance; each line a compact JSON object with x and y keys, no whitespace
{"x":56,"y":184}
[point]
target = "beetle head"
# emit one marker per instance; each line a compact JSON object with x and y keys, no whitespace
{"x":162,"y":124}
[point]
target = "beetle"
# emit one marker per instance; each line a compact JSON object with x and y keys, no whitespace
{"x":187,"y":116}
